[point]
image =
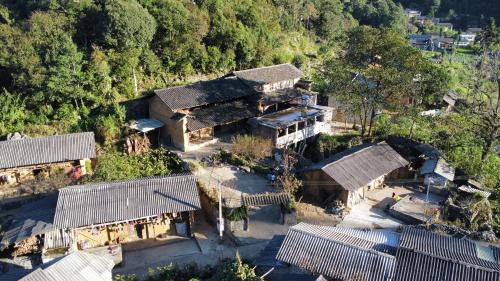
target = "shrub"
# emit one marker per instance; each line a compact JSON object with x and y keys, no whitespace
{"x":235,"y":214}
{"x":108,"y":128}
{"x":252,"y":147}
{"x":113,"y":165}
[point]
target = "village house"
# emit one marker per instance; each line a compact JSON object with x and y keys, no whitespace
{"x":109,"y":213}
{"x":466,"y":39}
{"x":293,"y":125}
{"x":444,"y":26}
{"x":23,"y":159}
{"x":421,"y":41}
{"x":411,"y":13}
{"x":199,"y":114}
{"x":348,"y":175}
{"x":366,"y":255}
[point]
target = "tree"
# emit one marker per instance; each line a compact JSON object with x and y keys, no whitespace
{"x":127,"y":25}
{"x":485,"y":89}
{"x":12,"y":113}
{"x":376,"y":71}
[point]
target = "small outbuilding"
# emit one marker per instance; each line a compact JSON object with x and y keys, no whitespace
{"x":348,"y":175}
{"x":27,"y":157}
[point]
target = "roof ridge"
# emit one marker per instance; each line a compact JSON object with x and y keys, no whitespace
{"x":449,"y":259}
{"x":367,"y":145}
{"x":267,"y":66}
{"x":116,"y":182}
{"x":192,"y":83}
{"x":51,"y":136}
{"x":294,"y":228}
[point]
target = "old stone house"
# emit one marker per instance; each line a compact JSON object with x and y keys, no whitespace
{"x":108,"y":213}
{"x":348,"y":175}
{"x":199,"y":114}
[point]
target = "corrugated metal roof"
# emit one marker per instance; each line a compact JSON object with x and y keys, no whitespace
{"x":445,"y":247}
{"x":319,"y":250}
{"x":471,"y":190}
{"x":220,"y":114}
{"x":108,"y":202}
{"x":438,"y":166}
{"x":145,"y":125}
{"x":414,"y":265}
{"x":78,"y":266}
{"x":53,"y":149}
{"x":270,"y":74}
{"x":358,"y":167}
{"x":203,"y":93}
{"x":263,"y":199}
{"x":31,"y":219}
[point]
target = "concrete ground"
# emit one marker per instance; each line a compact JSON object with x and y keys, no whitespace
{"x":371,"y":212}
{"x":205,"y":249}
{"x":264,"y":223}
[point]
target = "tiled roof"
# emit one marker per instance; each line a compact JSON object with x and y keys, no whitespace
{"x":204,"y":93}
{"x":32,"y":219}
{"x":53,"y":149}
{"x":445,"y":247}
{"x":414,"y":265}
{"x":355,"y":168}
{"x":322,"y":251}
{"x":78,"y":266}
{"x":108,"y":202}
{"x":270,"y":74}
{"x":263,"y":199}
{"x":220,"y":114}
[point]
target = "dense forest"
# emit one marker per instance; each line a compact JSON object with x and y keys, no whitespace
{"x":63,"y":61}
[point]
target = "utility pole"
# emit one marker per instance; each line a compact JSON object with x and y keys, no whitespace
{"x":221,"y":219}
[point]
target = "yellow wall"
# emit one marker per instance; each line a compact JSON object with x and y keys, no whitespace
{"x":114,"y":234}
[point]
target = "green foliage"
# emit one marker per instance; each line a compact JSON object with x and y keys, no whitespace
{"x":4,"y":15}
{"x":227,"y":270}
{"x":127,"y":25}
{"x":327,"y":145}
{"x":234,"y":270}
{"x":113,"y":165}
{"x":379,"y":13}
{"x":12,"y":113}
{"x":378,"y":71}
{"x":235,"y":214}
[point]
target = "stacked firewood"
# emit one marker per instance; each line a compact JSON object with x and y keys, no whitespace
{"x":28,"y":246}
{"x":136,"y":144}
